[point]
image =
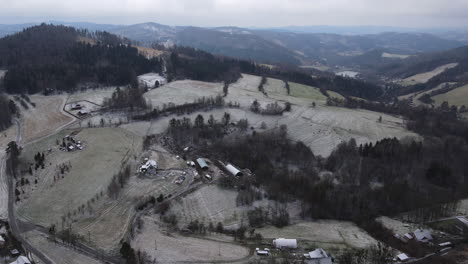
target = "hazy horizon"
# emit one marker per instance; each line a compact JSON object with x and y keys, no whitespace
{"x":243,"y":13}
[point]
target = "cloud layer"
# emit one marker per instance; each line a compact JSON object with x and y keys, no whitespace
{"x":261,"y":13}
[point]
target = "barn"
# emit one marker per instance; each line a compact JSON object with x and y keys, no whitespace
{"x":233,"y":170}
{"x":202,"y":163}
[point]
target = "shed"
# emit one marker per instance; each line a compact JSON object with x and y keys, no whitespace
{"x":402,"y":257}
{"x":233,"y":170}
{"x":318,"y":256}
{"x":285,"y":243}
{"x":422,"y":235}
{"x":408,"y":236}
{"x":21,"y":260}
{"x":76,"y":107}
{"x":202,"y":163}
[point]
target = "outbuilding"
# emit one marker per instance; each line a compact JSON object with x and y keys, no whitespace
{"x":202,"y":163}
{"x":402,"y":257}
{"x":318,"y":256}
{"x":285,"y":243}
{"x":233,"y":170}
{"x":21,"y":260}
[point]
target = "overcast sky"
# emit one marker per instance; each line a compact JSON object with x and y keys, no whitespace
{"x":257,"y":13}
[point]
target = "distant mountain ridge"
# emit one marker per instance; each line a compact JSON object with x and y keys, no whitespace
{"x":273,"y":46}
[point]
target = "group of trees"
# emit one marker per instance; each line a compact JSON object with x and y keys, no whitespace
{"x":8,"y":110}
{"x":130,"y":97}
{"x":277,"y":216}
{"x":270,"y":109}
{"x":118,"y":182}
{"x":203,"y":103}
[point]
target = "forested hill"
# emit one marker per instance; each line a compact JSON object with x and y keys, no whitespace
{"x":49,"y":58}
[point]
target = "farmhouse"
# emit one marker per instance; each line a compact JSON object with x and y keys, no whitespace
{"x":150,"y":166}
{"x":233,"y":170}
{"x":202,"y":163}
{"x":21,"y":260}
{"x":422,"y":235}
{"x":318,"y":256}
{"x":285,"y":243}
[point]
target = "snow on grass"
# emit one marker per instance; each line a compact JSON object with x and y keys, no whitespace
{"x":174,"y":248}
{"x":57,"y":252}
{"x":96,"y":96}
{"x":324,"y":233}
{"x":180,"y":92}
{"x":105,"y":151}
{"x":321,"y":128}
{"x":44,"y":119}
{"x":397,"y":226}
{"x":426,"y":76}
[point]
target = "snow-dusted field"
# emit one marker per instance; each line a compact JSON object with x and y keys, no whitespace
{"x":91,"y":172}
{"x":44,"y":119}
{"x":96,"y":96}
{"x":322,"y":128}
{"x":324,"y":233}
{"x":56,"y":252}
{"x":180,"y":92}
{"x":174,"y":248}
{"x":213,"y":204}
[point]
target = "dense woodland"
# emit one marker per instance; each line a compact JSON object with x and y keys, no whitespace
{"x":50,"y":58}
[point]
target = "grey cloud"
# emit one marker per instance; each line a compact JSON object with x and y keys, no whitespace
{"x":411,"y":13}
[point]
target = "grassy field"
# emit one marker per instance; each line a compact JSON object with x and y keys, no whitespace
{"x":96,"y":96}
{"x":394,"y":56}
{"x":458,"y":97}
{"x":322,"y":128}
{"x":56,"y":252}
{"x":328,"y":234}
{"x":174,"y":248}
{"x":303,"y":91}
{"x":92,"y":170}
{"x":426,"y":76}
{"x":44,"y":119}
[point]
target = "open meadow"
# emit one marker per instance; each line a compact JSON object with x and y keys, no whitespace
{"x":45,"y":118}
{"x":457,"y":96}
{"x":214,"y":204}
{"x":91,"y":170}
{"x":426,"y":76}
{"x":168,"y":247}
{"x":56,"y":252}
{"x":321,"y":128}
